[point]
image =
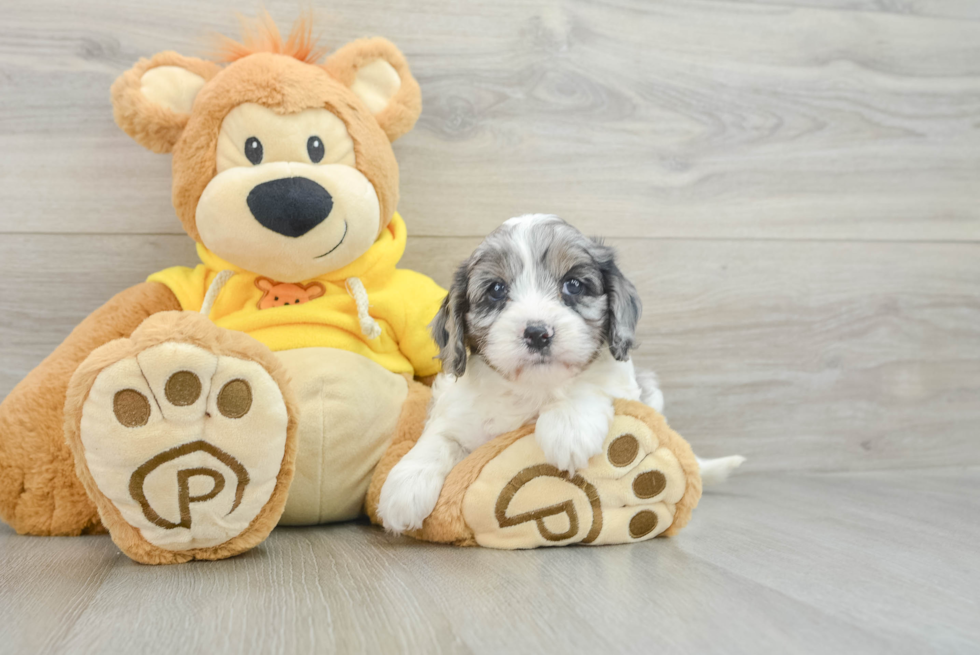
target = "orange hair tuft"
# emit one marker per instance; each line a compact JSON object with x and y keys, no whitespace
{"x":261,"y":35}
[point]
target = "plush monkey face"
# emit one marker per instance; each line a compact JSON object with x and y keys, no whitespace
{"x":281,"y":167}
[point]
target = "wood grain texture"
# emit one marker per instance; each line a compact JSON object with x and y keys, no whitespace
{"x":800,"y":355}
{"x":776,"y":563}
{"x":961,"y":9}
{"x":682,"y":119}
{"x":792,"y":185}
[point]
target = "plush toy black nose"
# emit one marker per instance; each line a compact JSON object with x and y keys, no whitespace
{"x":537,"y":336}
{"x":291,"y":206}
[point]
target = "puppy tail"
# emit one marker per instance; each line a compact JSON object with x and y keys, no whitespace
{"x":650,"y":393}
{"x":716,"y":470}
{"x":713,"y":471}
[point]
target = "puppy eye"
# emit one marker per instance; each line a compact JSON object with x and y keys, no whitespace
{"x":572,"y":287}
{"x":253,"y":150}
{"x":314,"y":147}
{"x":497,"y":291}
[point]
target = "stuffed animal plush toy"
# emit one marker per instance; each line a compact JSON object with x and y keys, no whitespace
{"x":278,"y":380}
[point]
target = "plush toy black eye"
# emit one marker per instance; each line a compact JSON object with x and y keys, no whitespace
{"x":314,"y":146}
{"x":497,"y":291}
{"x":572,"y":287}
{"x":253,"y":150}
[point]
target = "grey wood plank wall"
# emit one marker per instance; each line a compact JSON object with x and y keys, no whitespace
{"x":794,"y":186}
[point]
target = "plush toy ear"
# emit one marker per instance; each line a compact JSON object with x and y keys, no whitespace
{"x":376,"y":71}
{"x":152,"y":100}
{"x":314,"y":290}
{"x":264,"y":283}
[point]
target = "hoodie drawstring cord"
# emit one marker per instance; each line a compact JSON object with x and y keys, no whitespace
{"x":213,"y":290}
{"x":369,"y":326}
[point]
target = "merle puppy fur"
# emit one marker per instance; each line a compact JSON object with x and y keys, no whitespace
{"x":537,"y":326}
{"x":580,"y":272}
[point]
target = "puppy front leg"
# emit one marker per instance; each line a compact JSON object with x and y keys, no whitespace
{"x":412,"y":488}
{"x":573,"y":429}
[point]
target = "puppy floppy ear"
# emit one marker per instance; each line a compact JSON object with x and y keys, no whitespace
{"x":376,"y":71}
{"x":152,"y":100}
{"x":449,"y":325}
{"x":624,"y":306}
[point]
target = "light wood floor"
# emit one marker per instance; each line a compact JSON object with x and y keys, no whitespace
{"x":873,"y":562}
{"x":794,"y":185}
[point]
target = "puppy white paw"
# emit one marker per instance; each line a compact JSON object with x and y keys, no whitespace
{"x":570,"y":438}
{"x":408,"y":496}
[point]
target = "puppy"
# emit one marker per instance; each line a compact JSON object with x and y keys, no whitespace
{"x":538,"y":326}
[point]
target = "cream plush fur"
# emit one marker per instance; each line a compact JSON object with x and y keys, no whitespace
{"x":338,"y":448}
{"x":331,"y":424}
{"x":177,"y":104}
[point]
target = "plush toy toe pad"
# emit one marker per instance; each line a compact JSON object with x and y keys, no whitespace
{"x":182,"y":445}
{"x":629,"y":492}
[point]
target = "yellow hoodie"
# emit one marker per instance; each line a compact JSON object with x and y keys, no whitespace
{"x":401,"y":302}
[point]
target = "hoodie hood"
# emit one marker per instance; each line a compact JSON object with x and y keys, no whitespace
{"x":369,"y":307}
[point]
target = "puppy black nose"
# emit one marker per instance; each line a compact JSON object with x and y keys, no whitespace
{"x":537,"y":336}
{"x":291,"y":206}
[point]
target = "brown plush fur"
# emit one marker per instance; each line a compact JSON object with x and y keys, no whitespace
{"x":286,"y":86}
{"x":152,"y":126}
{"x":192,"y":328}
{"x":400,"y":115}
{"x":277,"y":75}
{"x":410,"y":424}
{"x":43,"y":490}
{"x":446,"y":523}
{"x":681,"y":449}
{"x":262,"y":35}
{"x":39,"y":492}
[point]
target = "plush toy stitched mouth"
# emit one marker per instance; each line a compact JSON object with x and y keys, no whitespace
{"x":342,"y":237}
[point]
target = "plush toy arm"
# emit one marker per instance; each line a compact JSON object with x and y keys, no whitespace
{"x":414,"y":336}
{"x":39,"y":492}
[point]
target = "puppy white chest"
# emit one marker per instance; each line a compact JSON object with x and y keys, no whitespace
{"x":482,"y":404}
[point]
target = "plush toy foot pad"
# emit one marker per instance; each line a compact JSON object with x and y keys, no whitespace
{"x":181,"y":439}
{"x":627,"y":493}
{"x":631,"y":491}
